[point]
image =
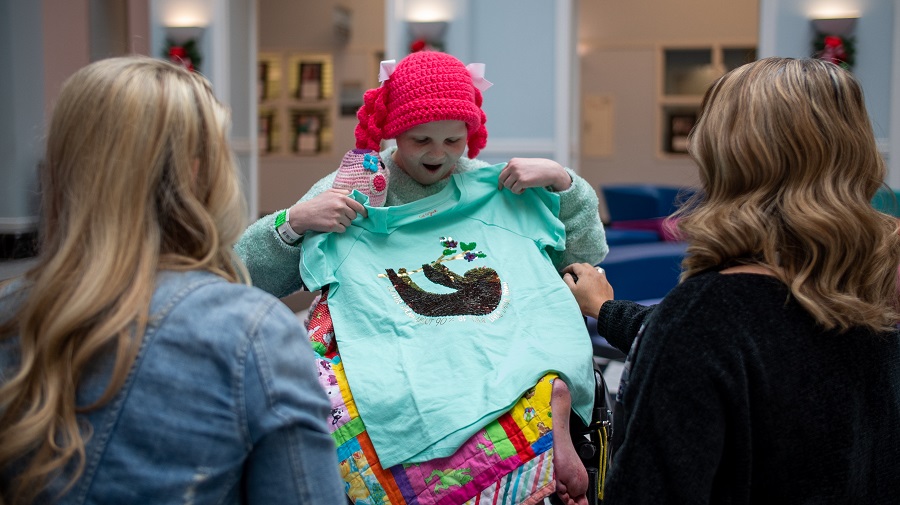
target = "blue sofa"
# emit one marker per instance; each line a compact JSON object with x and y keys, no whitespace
{"x":643,"y":273}
{"x":637,"y":212}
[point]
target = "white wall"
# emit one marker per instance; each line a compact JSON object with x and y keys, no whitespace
{"x":227,"y":43}
{"x":894,"y":138}
{"x":109,"y":28}
{"x":308,"y":27}
{"x":529,"y":56}
{"x":618,"y":48}
{"x":787,"y":31}
{"x":41,"y":44}
{"x":21,"y":113}
{"x":240,"y":74}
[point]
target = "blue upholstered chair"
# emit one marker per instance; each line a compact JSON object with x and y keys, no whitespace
{"x":642,"y":207}
{"x":643,"y":273}
{"x":628,"y":202}
{"x":887,"y":201}
{"x":616,"y":237}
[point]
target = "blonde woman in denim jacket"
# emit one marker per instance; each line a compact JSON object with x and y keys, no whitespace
{"x":136,"y":364}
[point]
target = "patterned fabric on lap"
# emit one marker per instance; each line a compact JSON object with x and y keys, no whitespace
{"x":509,"y":461}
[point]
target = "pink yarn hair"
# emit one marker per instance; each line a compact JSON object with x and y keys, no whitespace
{"x":425,"y":86}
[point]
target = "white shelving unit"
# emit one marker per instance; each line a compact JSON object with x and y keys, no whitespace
{"x":685,"y":72}
{"x":297,"y":109}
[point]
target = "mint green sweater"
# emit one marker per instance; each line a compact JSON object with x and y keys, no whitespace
{"x":274,"y":265}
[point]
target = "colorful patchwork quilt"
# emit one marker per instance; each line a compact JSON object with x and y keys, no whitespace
{"x":510,"y":461}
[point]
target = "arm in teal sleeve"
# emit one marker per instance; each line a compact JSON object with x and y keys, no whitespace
{"x":273,"y":265}
{"x":585,"y":237}
{"x":320,"y":187}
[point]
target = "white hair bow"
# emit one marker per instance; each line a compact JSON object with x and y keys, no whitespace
{"x":477,"y":72}
{"x":386,"y":69}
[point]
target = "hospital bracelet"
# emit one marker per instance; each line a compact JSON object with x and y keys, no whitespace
{"x":284,"y":230}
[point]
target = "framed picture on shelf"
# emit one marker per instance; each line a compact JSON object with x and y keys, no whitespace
{"x":680,"y":126}
{"x":265,"y":132}
{"x":309,"y":85}
{"x":307,"y":132}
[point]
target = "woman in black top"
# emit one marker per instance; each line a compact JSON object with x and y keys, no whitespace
{"x":771,"y":374}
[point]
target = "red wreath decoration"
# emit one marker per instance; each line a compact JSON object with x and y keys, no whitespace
{"x":423,"y":45}
{"x":836,"y":49}
{"x":185,"y":54}
{"x":417,"y":45}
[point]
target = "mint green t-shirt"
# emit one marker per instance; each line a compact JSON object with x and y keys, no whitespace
{"x":446,"y":310}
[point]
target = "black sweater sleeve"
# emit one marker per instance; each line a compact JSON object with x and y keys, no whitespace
{"x":619,"y":321}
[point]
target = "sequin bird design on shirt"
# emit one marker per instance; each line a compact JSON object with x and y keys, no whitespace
{"x":363,"y":170}
{"x":476,"y":292}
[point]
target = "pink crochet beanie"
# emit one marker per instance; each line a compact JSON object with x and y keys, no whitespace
{"x":425,"y":86}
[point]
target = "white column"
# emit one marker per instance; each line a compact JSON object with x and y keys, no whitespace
{"x":893,"y":178}
{"x":565,"y":53}
{"x":21,"y":113}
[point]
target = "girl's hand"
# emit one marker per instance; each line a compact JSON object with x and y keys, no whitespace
{"x":331,"y":211}
{"x":523,"y":173}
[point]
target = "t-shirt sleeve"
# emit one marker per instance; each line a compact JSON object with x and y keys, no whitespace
{"x":324,"y":252}
{"x":551,"y":234}
{"x":317,"y":268}
{"x":533,"y":214}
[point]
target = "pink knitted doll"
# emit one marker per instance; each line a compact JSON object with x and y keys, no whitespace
{"x":362,"y":170}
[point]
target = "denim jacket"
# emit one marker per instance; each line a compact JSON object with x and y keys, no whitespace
{"x":222,"y":406}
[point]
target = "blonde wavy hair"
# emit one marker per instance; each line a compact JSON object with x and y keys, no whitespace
{"x":788,"y":168}
{"x":138,"y":177}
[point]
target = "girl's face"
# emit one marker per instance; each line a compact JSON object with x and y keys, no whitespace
{"x":429,"y":152}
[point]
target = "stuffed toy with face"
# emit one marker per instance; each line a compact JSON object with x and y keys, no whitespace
{"x":363,"y":170}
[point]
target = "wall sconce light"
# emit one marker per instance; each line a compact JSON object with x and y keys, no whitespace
{"x":184,"y":22}
{"x":427,"y":22}
{"x":835,"y":41}
{"x":427,"y":35}
{"x":835,"y":26}
{"x":343,"y":24}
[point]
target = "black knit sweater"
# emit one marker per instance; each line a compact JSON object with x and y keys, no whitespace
{"x":733,"y":394}
{"x":619,"y":322}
